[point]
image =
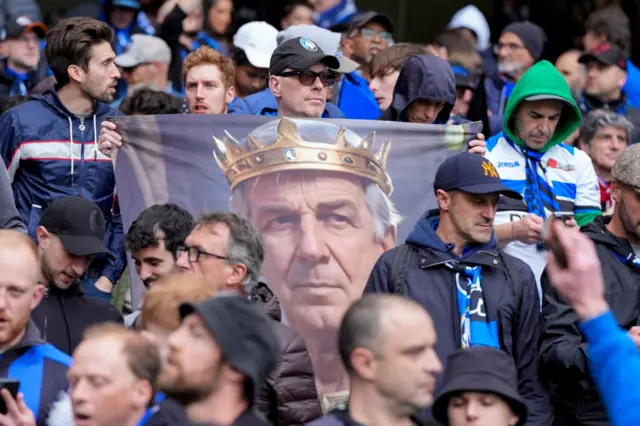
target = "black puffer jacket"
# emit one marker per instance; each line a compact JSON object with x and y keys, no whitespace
{"x":289,"y":397}
{"x":563,"y":359}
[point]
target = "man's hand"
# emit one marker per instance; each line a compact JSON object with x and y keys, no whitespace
{"x":581,"y":283}
{"x":104,"y":284}
{"x":571,"y":223}
{"x":478,"y":145}
{"x":189,"y":6}
{"x":528,"y":230}
{"x":18,"y":414}
{"x":108,"y":139}
{"x":634,"y":333}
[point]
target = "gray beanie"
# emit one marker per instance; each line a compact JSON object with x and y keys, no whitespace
{"x":532,"y":36}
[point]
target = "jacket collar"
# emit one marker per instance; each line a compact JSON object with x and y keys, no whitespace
{"x":31,"y":337}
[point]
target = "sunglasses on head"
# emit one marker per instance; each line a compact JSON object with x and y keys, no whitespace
{"x":308,"y":77}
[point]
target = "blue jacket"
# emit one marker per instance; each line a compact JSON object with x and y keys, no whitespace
{"x":51,"y":153}
{"x":264,"y":103}
{"x":615,"y":367}
{"x":433,"y":285}
{"x":41,"y":370}
{"x":356,"y":100}
{"x":632,"y":86}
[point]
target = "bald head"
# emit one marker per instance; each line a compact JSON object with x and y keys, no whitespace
{"x":18,"y":257}
{"x":572,"y":70}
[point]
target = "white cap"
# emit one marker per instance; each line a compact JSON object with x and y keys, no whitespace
{"x":328,"y":41}
{"x":144,"y":49}
{"x":258,"y":40}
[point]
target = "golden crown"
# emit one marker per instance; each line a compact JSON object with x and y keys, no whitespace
{"x":290,"y":152}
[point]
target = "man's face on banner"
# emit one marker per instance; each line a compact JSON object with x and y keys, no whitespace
{"x":320,"y":242}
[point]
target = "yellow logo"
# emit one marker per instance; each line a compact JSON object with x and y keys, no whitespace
{"x":489,"y":169}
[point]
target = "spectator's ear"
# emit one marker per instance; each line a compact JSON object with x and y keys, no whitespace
{"x":38,"y":293}
{"x":231,"y":95}
{"x":44,"y":237}
{"x":347,"y":47}
{"x":75,"y":73}
{"x":274,"y":86}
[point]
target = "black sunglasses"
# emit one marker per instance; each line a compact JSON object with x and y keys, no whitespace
{"x":307,"y":77}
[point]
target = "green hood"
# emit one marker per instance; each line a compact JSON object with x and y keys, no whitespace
{"x":543,"y":79}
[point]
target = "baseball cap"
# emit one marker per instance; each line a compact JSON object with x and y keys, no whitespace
{"x":22,"y":25}
{"x":258,"y":40}
{"x":328,"y":41}
{"x":144,"y":49}
{"x":626,"y":169}
{"x":463,"y":77}
{"x":471,"y":173}
{"x":364,"y":18}
{"x":131,"y":4}
{"x":300,"y":53}
{"x":78,"y":223}
{"x":607,"y":54}
{"x":244,"y":334}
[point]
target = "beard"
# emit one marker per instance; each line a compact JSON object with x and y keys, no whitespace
{"x":97,"y":94}
{"x":628,"y":223}
{"x":510,"y":68}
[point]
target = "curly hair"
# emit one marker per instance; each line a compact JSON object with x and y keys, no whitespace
{"x":205,"y":55}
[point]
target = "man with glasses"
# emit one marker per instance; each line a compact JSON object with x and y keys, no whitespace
{"x":368,"y":34}
{"x":19,"y":72}
{"x":300,"y":74}
{"x":519,"y":47}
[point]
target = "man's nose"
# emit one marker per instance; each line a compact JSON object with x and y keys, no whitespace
{"x":183,"y":261}
{"x":145,"y":272}
{"x":80,"y":264}
{"x":312,"y":246}
{"x":199,"y":91}
{"x":317,"y":84}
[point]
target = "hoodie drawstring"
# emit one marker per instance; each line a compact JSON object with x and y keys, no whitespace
{"x":95,"y":138}
{"x":71,"y":144}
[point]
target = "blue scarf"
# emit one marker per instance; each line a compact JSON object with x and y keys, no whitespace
{"x":340,"y":13}
{"x":629,"y":259}
{"x":475,"y":327}
{"x":18,"y":86}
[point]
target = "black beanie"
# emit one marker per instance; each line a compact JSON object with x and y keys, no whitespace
{"x":532,"y":36}
{"x":243,"y":332}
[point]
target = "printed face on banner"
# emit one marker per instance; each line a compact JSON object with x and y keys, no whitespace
{"x":317,"y":195}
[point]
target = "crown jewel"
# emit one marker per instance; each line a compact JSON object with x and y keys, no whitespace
{"x":291,"y":152}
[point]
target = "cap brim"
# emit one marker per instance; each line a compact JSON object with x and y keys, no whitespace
{"x":544,"y":97}
{"x":379,"y":18}
{"x":347,"y":65}
{"x":131,"y":4}
{"x":590,"y":57}
{"x":38,"y":27}
{"x":490,"y":188}
{"x":257,"y":58}
{"x":474,"y":382}
{"x":126,"y":61}
{"x":83,"y":246}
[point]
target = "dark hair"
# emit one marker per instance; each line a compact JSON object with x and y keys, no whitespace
{"x":8,"y":102}
{"x":360,"y":327}
{"x":174,"y":222}
{"x":613,"y":23}
{"x":245,"y":245}
{"x":392,"y":58}
{"x":147,"y":101}
{"x":70,"y":43}
{"x":291,"y":6}
{"x":239,"y":57}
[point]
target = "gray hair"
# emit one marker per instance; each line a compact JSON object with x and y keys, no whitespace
{"x":244,"y":247}
{"x":380,"y":205}
{"x":599,"y":119}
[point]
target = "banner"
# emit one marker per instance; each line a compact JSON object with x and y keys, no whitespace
{"x":328,"y":196}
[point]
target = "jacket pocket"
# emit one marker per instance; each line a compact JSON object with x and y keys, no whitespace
{"x":34,"y":220}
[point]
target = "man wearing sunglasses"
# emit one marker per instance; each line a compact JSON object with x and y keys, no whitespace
{"x":300,"y":75}
{"x":368,"y":34}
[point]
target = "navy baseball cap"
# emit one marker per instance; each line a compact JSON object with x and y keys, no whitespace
{"x":471,"y":173}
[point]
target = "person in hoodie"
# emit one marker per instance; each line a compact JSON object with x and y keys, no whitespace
{"x":477,"y":295}
{"x":19,"y":71}
{"x":70,"y":235}
{"x":40,"y":368}
{"x":562,"y":356}
{"x":471,"y":22}
{"x":50,"y":143}
{"x":614,"y":360}
{"x":424,"y":93}
{"x":265,"y":100}
{"x":532,"y":160}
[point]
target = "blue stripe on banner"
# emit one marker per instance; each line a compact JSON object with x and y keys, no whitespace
{"x":514,"y":185}
{"x":485,"y":334}
{"x":563,"y":189}
{"x":28,"y":369}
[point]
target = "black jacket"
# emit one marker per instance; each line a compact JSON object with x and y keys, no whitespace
{"x":64,"y":315}
{"x":432,"y":284}
{"x":342,"y":418}
{"x":250,"y":417}
{"x":170,"y":412}
{"x":563,"y":359}
{"x":8,"y":82}
{"x":41,"y":370}
{"x":423,"y":77}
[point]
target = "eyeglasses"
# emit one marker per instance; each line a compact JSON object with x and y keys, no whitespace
{"x":308,"y":77}
{"x":512,"y":47}
{"x":194,"y":253}
{"x":369,"y":34}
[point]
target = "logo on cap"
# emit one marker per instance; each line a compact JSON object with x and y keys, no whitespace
{"x":489,"y":169}
{"x":308,"y":44}
{"x":93,"y":221}
{"x":23,"y":21}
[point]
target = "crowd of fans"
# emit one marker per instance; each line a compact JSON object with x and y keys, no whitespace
{"x":513,"y":302}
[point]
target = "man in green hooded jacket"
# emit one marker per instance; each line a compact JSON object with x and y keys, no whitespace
{"x":532,"y":160}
